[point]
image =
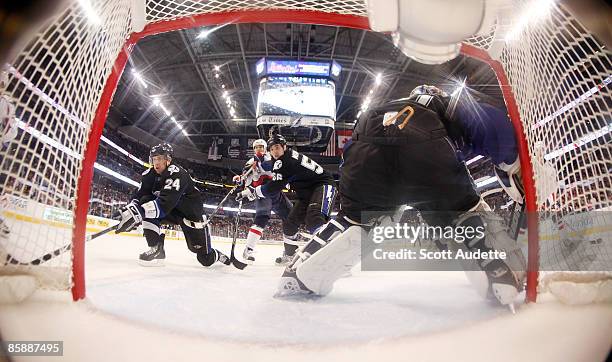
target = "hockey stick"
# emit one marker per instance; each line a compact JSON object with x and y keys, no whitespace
{"x":225,"y":198}
{"x":235,"y":262}
{"x":57,"y":252}
{"x":219,"y":206}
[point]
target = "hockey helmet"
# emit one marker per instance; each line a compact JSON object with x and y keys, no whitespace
{"x":277,"y":139}
{"x":429,"y":90}
{"x":260,"y":142}
{"x":162,"y":149}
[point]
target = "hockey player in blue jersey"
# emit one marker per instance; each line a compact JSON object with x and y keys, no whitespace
{"x":412,"y":147}
{"x":478,"y":128}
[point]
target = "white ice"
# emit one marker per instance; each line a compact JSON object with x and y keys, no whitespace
{"x":184,"y":311}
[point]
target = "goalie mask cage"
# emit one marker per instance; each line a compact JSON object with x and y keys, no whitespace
{"x":554,"y":78}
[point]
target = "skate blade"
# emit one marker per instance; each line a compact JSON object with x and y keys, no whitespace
{"x":152,"y":263}
{"x":512,"y":308}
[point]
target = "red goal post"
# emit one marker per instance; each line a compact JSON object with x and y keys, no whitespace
{"x":87,"y":63}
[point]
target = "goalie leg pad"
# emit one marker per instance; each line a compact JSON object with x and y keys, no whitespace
{"x":342,"y":238}
{"x":321,"y":270}
{"x":505,"y":276}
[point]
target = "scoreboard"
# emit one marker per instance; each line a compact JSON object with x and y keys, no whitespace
{"x":298,"y":100}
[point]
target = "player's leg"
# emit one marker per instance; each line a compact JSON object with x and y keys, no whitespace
{"x":156,"y":254}
{"x":290,"y":231}
{"x":319,"y":207}
{"x":198,"y":239}
{"x":263,"y":209}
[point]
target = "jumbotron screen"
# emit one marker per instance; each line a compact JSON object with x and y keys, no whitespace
{"x":297,"y":96}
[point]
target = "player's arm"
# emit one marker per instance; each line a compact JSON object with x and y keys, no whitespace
{"x":270,"y":188}
{"x":174,"y":187}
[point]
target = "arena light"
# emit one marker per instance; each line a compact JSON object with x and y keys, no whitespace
{"x":121,"y":150}
{"x":156,"y":101}
{"x":538,"y":10}
{"x":56,"y":105}
{"x":165,"y":109}
{"x":590,"y":137}
{"x":89,"y":11}
{"x":116,"y":175}
{"x":206,"y":32}
{"x":378,"y":79}
{"x":217,"y":68}
{"x":46,"y":139}
{"x":139,"y":78}
{"x":57,"y":145}
{"x":459,"y":88}
{"x":583,"y":97}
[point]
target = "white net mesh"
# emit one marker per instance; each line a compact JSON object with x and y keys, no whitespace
{"x":560,"y":77}
{"x":558,"y":72}
{"x":55,"y":84}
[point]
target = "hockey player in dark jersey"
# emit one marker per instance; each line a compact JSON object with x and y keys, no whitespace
{"x":259,"y":171}
{"x":314,"y":187}
{"x":403,"y":155}
{"x":167,"y":195}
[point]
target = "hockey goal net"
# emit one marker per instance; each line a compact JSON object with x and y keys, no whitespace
{"x":554,"y":76}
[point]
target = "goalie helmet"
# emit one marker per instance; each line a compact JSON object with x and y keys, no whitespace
{"x":429,"y":90}
{"x":260,"y":142}
{"x":277,"y":139}
{"x":162,"y":149}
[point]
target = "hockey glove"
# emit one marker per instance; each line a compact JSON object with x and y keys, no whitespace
{"x":248,"y":193}
{"x":131,"y":217}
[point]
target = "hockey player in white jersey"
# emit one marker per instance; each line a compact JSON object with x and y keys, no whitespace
{"x":411,"y":160}
{"x":258,"y":171}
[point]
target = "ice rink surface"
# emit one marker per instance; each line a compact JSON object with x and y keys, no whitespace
{"x":183,"y":311}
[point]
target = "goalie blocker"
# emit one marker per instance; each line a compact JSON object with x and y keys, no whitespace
{"x":410,"y":161}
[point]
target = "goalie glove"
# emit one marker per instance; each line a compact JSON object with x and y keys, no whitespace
{"x":131,"y":217}
{"x":248,"y":193}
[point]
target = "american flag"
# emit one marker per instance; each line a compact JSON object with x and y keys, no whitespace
{"x":331,"y":146}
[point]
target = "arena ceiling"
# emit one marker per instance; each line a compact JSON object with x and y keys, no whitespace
{"x":179,"y":69}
